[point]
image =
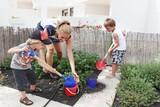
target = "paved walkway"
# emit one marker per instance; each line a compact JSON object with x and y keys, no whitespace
{"x":104,"y":98}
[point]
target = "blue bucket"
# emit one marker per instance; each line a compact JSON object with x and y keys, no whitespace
{"x":92,"y":82}
{"x":69,"y":81}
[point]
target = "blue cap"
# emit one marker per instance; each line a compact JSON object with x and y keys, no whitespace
{"x":51,"y":30}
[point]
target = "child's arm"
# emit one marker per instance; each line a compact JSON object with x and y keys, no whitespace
{"x":115,"y":42}
{"x":46,"y":66}
{"x":15,"y":50}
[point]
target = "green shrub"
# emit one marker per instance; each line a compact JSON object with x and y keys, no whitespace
{"x":84,"y":65}
{"x":37,"y":69}
{"x":129,"y":71}
{"x":5,"y":65}
{"x":136,"y":92}
{"x":151,"y":73}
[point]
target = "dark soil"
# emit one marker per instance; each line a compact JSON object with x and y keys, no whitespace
{"x":52,"y":86}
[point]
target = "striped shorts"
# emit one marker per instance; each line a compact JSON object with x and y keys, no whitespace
{"x":117,"y":56}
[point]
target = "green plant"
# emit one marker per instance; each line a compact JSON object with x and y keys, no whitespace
{"x":129,"y":71}
{"x":84,"y":65}
{"x":151,"y":73}
{"x":37,"y":69}
{"x":136,"y":92}
{"x":5,"y":65}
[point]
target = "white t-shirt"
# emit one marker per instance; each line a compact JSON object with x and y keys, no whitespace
{"x":122,"y":40}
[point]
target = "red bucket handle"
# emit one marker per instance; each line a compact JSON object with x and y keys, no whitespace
{"x":72,"y":92}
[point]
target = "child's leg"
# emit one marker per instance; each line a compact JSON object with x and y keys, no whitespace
{"x":117,"y":58}
{"x":115,"y":61}
{"x":114,"y":69}
{"x":22,"y":94}
{"x":31,"y":76}
{"x":21,"y":83}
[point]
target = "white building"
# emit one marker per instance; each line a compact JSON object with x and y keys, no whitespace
{"x":132,"y":15}
{"x":137,"y":15}
{"x":27,"y":13}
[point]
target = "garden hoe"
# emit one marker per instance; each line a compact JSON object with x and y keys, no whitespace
{"x":101,"y":64}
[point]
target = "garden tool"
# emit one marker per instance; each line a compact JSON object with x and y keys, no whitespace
{"x":69,"y":80}
{"x":101,"y":64}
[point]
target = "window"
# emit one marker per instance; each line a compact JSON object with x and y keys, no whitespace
{"x":65,"y":12}
{"x":71,"y":11}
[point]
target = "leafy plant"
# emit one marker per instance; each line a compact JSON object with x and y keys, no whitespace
{"x":129,"y":71}
{"x":136,"y":92}
{"x":37,"y":69}
{"x":84,"y":65}
{"x":151,"y":73}
{"x":5,"y":65}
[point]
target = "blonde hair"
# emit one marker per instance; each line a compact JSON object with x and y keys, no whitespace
{"x":65,"y":27}
{"x":33,"y":41}
{"x":109,"y":22}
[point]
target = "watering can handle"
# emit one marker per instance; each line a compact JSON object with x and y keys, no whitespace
{"x":106,"y":55}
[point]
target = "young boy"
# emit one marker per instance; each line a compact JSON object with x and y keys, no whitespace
{"x":24,"y":54}
{"x":119,"y":45}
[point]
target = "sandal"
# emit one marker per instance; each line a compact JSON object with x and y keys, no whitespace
{"x":37,"y":90}
{"x":26,"y":101}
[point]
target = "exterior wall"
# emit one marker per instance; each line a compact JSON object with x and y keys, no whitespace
{"x":5,"y":12}
{"x":79,"y":10}
{"x":97,"y":10}
{"x":137,"y":15}
{"x":20,"y":13}
{"x":54,"y":12}
{"x":153,"y":17}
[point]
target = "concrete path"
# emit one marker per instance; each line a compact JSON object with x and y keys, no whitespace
{"x":104,"y":98}
{"x":8,"y":98}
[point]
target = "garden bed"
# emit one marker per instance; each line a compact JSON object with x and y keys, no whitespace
{"x":139,"y":86}
{"x":85,"y":67}
{"x":49,"y":86}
